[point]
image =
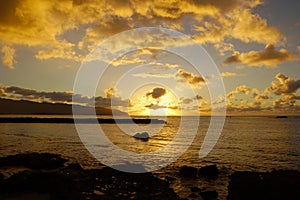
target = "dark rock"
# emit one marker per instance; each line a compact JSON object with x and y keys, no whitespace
{"x":193,"y":196}
{"x":33,"y":161}
{"x":209,"y":195}
{"x":210,"y":171}
{"x":73,"y":182}
{"x":170,"y":179}
{"x":188,"y":172}
{"x":57,"y":186}
{"x":142,"y":136}
{"x":1,"y":176}
{"x":275,"y":185}
{"x":195,"y":189}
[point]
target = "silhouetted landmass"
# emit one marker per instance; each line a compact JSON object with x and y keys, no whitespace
{"x":281,"y":116}
{"x":8,"y":106}
{"x":74,"y":182}
{"x":80,"y":120}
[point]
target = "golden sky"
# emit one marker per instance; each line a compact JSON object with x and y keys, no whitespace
{"x":255,"y":45}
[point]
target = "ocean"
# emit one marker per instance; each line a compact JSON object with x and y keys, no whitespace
{"x":245,"y":144}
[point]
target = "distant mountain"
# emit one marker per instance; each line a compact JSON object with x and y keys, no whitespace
{"x":8,"y":106}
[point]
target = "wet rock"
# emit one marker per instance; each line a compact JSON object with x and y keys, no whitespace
{"x":144,"y":136}
{"x":209,"y":195}
{"x":170,"y":179}
{"x":193,"y":196}
{"x":73,"y":182}
{"x":33,"y":161}
{"x":210,"y":171}
{"x":188,"y":172}
{"x":55,"y":185}
{"x":275,"y":185}
{"x":195,"y":189}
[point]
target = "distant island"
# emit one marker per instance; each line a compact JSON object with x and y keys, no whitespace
{"x":281,"y":116}
{"x":9,"y":106}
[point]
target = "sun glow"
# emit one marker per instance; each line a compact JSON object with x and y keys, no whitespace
{"x":154,"y":101}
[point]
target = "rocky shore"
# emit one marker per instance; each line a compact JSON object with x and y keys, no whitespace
{"x":46,"y":176}
{"x":50,"y":176}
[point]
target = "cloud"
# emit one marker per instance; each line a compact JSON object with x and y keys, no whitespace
{"x":211,"y":21}
{"x":198,"y":97}
{"x":155,"y":106}
{"x":228,"y":74}
{"x":153,"y":74}
{"x":258,"y":95}
{"x":255,"y":104}
{"x":242,"y":89}
{"x":14,"y":92}
{"x":186,"y":100}
{"x":8,"y":57}
{"x":189,"y":77}
{"x":269,"y":57}
{"x":109,"y":92}
{"x":240,"y":24}
{"x":65,"y":51}
{"x":261,"y":97}
{"x":156,"y":92}
{"x":284,"y":85}
{"x":34,"y":95}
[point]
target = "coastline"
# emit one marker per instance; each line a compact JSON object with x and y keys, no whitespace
{"x":50,"y":176}
{"x":80,"y":120}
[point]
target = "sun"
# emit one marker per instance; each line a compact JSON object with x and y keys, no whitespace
{"x":153,"y":101}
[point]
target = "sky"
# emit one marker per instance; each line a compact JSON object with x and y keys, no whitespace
{"x":255,"y":45}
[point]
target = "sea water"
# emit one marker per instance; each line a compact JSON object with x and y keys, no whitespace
{"x":245,"y":143}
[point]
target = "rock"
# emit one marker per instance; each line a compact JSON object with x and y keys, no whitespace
{"x":210,"y":171}
{"x":275,"y":185}
{"x":142,"y":136}
{"x":195,"y":189}
{"x":73,"y":182}
{"x":188,"y":172}
{"x":33,"y":161}
{"x":193,"y":196}
{"x":209,"y":195}
{"x":170,"y":179}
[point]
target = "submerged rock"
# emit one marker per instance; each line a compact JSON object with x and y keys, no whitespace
{"x":275,"y":185}
{"x":142,"y":136}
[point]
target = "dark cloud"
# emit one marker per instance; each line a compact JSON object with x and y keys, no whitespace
{"x":8,"y":12}
{"x":156,"y":92}
{"x":111,"y":102}
{"x":186,"y":100}
{"x":155,"y":106}
{"x":198,"y":97}
{"x":268,"y":57}
{"x":63,"y":97}
{"x":261,"y":97}
{"x":189,"y":77}
{"x":25,"y":93}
